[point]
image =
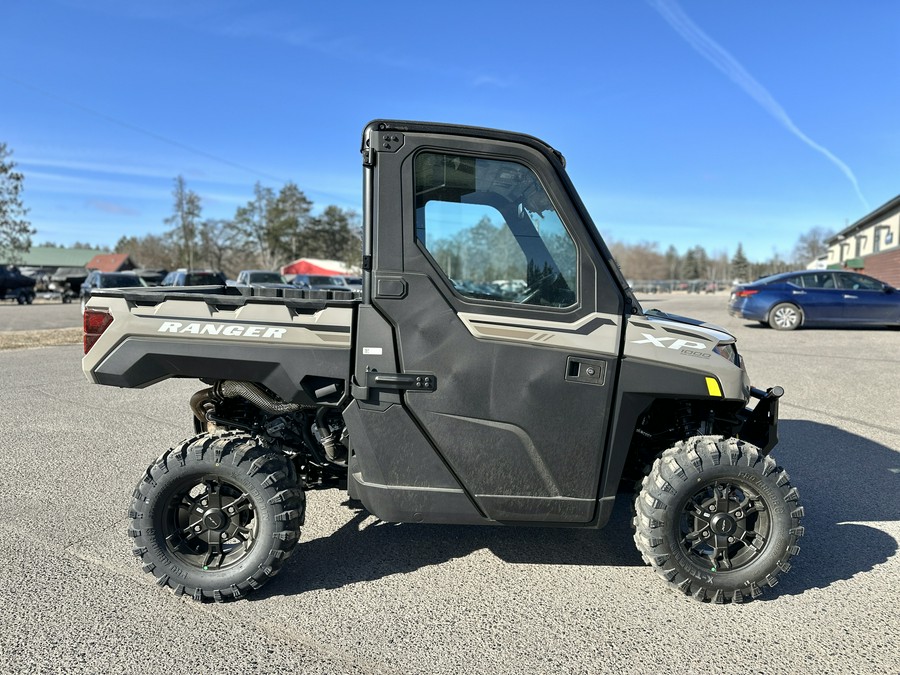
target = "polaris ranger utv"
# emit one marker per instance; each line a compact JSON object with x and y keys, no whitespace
{"x":496,"y":370}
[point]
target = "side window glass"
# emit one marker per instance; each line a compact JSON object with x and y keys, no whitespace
{"x":491,"y":228}
{"x":819,"y":280}
{"x":858,"y":282}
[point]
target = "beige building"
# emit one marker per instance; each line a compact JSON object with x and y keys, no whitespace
{"x":871,"y":244}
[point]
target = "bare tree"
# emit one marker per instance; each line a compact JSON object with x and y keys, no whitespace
{"x":184,"y":220}
{"x":220,"y":247}
{"x":811,"y":245}
{"x":641,"y":261}
{"x":254,"y":227}
{"x":149,"y":251}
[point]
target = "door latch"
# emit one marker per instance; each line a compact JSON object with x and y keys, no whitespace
{"x":589,"y":371}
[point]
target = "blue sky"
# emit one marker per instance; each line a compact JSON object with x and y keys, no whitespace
{"x":698,"y":122}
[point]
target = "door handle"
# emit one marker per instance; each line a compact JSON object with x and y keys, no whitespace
{"x":849,"y":297}
{"x":588,"y":371}
{"x":799,"y":292}
{"x":393,"y":381}
{"x":401,"y":381}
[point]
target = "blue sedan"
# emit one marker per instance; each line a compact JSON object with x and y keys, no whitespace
{"x":816,"y":298}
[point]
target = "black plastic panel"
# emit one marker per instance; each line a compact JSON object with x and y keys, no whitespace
{"x":396,"y":473}
{"x":415,"y":505}
{"x":391,"y":450}
{"x":558,"y":510}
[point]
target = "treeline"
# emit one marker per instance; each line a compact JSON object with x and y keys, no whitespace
{"x":487,"y":252}
{"x":270,"y":230}
{"x":646,"y":261}
{"x":275,"y":228}
{"x":78,"y":244}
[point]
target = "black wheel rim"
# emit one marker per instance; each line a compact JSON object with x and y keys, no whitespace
{"x":724,"y":526}
{"x":210,"y":524}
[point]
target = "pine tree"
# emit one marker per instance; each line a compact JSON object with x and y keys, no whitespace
{"x":333,"y":235}
{"x":740,"y":266}
{"x":15,"y":230}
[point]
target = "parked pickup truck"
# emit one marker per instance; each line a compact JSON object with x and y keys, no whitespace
{"x":437,"y":398}
{"x":16,"y":286}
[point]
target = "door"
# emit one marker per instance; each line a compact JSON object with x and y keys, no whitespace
{"x":819,"y":297}
{"x":503,"y":307}
{"x":865,"y":300}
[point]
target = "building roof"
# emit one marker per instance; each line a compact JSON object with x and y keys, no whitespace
{"x":110,"y":262}
{"x":51,"y":256}
{"x":869,"y":219}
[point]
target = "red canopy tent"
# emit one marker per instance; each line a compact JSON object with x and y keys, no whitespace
{"x":317,"y":266}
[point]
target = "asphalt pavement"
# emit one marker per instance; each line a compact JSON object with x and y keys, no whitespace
{"x":361,"y":596}
{"x":39,"y":316}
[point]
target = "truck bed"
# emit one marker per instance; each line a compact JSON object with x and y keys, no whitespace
{"x":296,"y":343}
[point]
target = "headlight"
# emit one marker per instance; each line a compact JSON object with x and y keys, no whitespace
{"x":728,"y":350}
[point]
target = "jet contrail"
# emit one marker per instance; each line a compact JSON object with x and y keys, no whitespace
{"x":721,"y":59}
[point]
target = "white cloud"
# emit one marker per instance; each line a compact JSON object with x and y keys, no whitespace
{"x":111,"y":208}
{"x":715,"y":54}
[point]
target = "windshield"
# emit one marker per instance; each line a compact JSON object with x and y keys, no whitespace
{"x":202,"y":279}
{"x":267,"y":278}
{"x":120,"y":281}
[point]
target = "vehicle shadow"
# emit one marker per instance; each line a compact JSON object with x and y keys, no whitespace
{"x":756,"y":325}
{"x":843,"y":479}
{"x":365,"y":549}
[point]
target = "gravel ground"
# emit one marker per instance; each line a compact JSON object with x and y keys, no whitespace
{"x":33,"y":339}
{"x":43,"y":324}
{"x":364,"y":596}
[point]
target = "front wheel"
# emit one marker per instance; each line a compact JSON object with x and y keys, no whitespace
{"x":785,"y":317}
{"x":717,"y":519}
{"x":217,"y":516}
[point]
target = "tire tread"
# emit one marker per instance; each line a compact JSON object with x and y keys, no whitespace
{"x":681,"y":466}
{"x":283,"y":497}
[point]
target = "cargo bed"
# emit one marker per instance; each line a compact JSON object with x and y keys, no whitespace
{"x":293,"y":342}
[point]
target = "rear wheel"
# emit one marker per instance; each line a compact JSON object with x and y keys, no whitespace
{"x":785,"y":316}
{"x":717,"y":520}
{"x":217,"y":516}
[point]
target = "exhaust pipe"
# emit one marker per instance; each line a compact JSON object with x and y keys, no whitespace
{"x":255,"y":395}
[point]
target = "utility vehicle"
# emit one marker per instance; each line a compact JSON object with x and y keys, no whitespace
{"x":446,"y":394}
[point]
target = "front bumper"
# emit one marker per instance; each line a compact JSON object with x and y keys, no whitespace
{"x":760,"y":423}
